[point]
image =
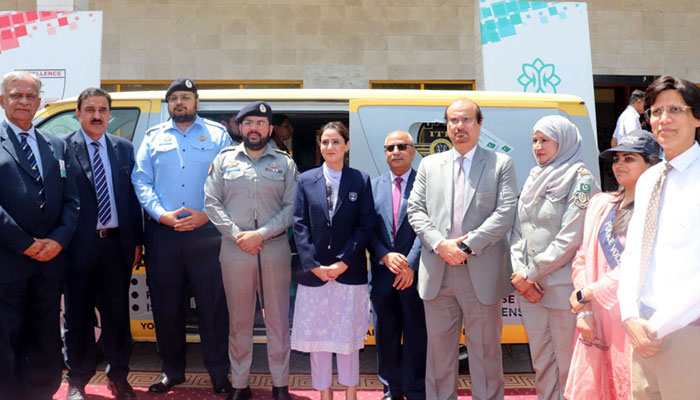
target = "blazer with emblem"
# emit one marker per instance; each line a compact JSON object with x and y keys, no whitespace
{"x":21,"y":219}
{"x":490,"y":198}
{"x":121,"y":161}
{"x":383,"y":242}
{"x":322,"y":241}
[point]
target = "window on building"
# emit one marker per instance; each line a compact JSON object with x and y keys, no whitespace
{"x":423,"y":85}
{"x":131,"y":86}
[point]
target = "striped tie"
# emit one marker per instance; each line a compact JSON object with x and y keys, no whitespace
{"x":35,"y":169}
{"x":104,"y":209}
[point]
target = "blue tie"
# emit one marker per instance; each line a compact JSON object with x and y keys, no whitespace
{"x":35,"y":170}
{"x":104,"y":209}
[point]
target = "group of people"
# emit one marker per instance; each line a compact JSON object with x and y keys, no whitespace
{"x":445,"y":243}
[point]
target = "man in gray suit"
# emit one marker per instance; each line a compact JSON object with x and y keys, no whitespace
{"x":461,"y":207}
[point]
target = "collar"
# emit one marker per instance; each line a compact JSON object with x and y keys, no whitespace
{"x":197,"y":121}
{"x":17,"y":130}
{"x":102,"y":141}
{"x":404,"y":177}
{"x":468,"y":155}
{"x":683,"y":160}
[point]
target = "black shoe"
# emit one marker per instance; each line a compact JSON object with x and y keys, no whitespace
{"x":75,"y":393}
{"x":281,"y":393}
{"x":164,"y":384}
{"x":121,"y":390}
{"x":241,"y":394}
{"x":221,"y":385}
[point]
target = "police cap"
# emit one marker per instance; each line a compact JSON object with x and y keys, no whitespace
{"x":256,"y":109}
{"x":637,"y":141}
{"x":181,"y":84}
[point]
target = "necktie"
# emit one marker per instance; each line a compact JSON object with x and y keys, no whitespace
{"x":458,"y":200}
{"x":396,"y":202}
{"x":651,"y":223}
{"x":104,"y":210}
{"x":35,"y":169}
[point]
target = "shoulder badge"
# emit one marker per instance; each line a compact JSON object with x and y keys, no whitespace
{"x":584,"y":172}
{"x":227,"y":148}
{"x":211,"y":167}
{"x":283,"y":152}
{"x":581,"y":199}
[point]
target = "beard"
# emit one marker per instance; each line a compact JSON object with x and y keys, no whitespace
{"x":185,"y":117}
{"x":255,"y":146}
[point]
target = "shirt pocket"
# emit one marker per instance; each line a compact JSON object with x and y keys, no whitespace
{"x":234,"y":174}
{"x":166,"y":154}
{"x":202,"y":151}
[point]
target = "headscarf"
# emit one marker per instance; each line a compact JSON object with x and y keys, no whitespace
{"x":552,"y":180}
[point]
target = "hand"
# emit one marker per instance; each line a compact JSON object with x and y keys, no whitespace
{"x":642,"y":337}
{"x":34,"y":249}
{"x":336,"y":269}
{"x":533,"y":294}
{"x":404,"y":280}
{"x":396,"y":262}
{"x":195,"y":220}
{"x":138,"y":251}
{"x":586,"y":326}
{"x":250,"y":241}
{"x":450,"y":253}
{"x":169,"y":218}
{"x":322,"y":273}
{"x":520,"y":282}
{"x":573,"y":302}
{"x":50,"y":250}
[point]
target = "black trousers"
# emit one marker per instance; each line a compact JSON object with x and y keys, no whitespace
{"x":174,"y":259}
{"x":103,"y":283}
{"x":30,"y":341}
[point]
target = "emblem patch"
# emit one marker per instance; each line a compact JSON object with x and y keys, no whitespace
{"x":188,"y":83}
{"x":581,"y":199}
{"x":584,"y":187}
{"x":352,"y":196}
{"x":201,"y":138}
{"x":262,"y":108}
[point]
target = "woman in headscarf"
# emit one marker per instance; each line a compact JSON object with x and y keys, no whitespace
{"x":547,"y":232}
{"x":600,"y":367}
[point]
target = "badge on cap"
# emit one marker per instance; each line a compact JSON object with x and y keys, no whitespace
{"x":201,"y":138}
{"x":188,"y":83}
{"x":262,"y":108}
{"x":352,"y":196}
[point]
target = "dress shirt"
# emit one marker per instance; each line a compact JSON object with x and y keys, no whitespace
{"x":626,"y":123}
{"x":333,"y":181}
{"x":114,"y":222}
{"x":671,"y":286}
{"x":466,"y":167}
{"x":171,"y":165}
{"x":31,"y":140}
{"x":404,"y":182}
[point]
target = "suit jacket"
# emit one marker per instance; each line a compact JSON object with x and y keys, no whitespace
{"x":383,"y":242}
{"x":322,"y":241}
{"x":490,"y":198}
{"x":21,"y":219}
{"x":121,"y":161}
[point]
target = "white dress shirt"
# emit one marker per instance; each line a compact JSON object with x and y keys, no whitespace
{"x":626,"y":123}
{"x":672,"y":286}
{"x":404,"y":181}
{"x":31,"y":141}
{"x":114,"y":222}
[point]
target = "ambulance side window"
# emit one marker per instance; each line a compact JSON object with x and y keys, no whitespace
{"x":122,"y":123}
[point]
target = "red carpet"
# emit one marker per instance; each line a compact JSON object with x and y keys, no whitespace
{"x":198,"y":387}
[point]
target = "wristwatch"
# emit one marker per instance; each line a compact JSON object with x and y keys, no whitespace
{"x":465,"y":248}
{"x":580,"y":298}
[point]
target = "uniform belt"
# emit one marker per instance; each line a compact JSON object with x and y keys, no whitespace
{"x":105,"y":233}
{"x":646,"y":312}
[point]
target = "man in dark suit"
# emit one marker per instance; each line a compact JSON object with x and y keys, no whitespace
{"x":38,"y":213}
{"x":105,"y":247}
{"x":394,"y":256}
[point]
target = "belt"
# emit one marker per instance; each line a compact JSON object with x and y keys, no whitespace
{"x":646,"y":312}
{"x":105,"y":233}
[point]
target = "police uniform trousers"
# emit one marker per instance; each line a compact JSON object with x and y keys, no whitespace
{"x":30,"y":340}
{"x":240,"y":274}
{"x":103,"y":282}
{"x":172,"y":260}
{"x":550,"y":333}
{"x":454,"y":303}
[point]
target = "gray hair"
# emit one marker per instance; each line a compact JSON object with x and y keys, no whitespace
{"x":636,"y":96}
{"x":16,"y":76}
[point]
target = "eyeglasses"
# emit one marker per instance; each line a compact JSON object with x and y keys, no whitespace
{"x":400,"y":146}
{"x":672,"y":110}
{"x":589,"y":343}
{"x":259,"y":123}
{"x":464,"y":120}
{"x":183,"y":98}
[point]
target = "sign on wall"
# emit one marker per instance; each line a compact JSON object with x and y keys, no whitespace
{"x":64,"y":49}
{"x":537,"y":46}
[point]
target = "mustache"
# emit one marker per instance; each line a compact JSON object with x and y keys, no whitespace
{"x":96,"y":120}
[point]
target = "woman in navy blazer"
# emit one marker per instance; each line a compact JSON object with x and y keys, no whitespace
{"x":333,"y":218}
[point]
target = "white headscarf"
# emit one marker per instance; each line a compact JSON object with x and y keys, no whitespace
{"x":553,"y":179}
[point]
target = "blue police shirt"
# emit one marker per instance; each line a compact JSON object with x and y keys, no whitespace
{"x":171,"y":165}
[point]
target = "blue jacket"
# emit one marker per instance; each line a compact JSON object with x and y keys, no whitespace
{"x":321,"y":241}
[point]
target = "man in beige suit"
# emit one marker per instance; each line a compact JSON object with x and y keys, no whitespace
{"x":461,"y":207}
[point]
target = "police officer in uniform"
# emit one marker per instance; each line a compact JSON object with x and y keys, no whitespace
{"x":181,"y":244}
{"x":248,"y":196}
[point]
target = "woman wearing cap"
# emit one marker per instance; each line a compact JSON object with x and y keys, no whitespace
{"x":600,"y":367}
{"x":333,"y":217}
{"x":547,"y":231}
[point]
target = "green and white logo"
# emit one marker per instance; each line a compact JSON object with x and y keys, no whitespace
{"x":539,"y":77}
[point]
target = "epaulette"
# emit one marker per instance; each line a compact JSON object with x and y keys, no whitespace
{"x":283,"y":152}
{"x":227,"y":148}
{"x":583,"y":171}
{"x":214,"y":123}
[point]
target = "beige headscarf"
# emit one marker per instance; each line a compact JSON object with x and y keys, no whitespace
{"x":553,"y":179}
